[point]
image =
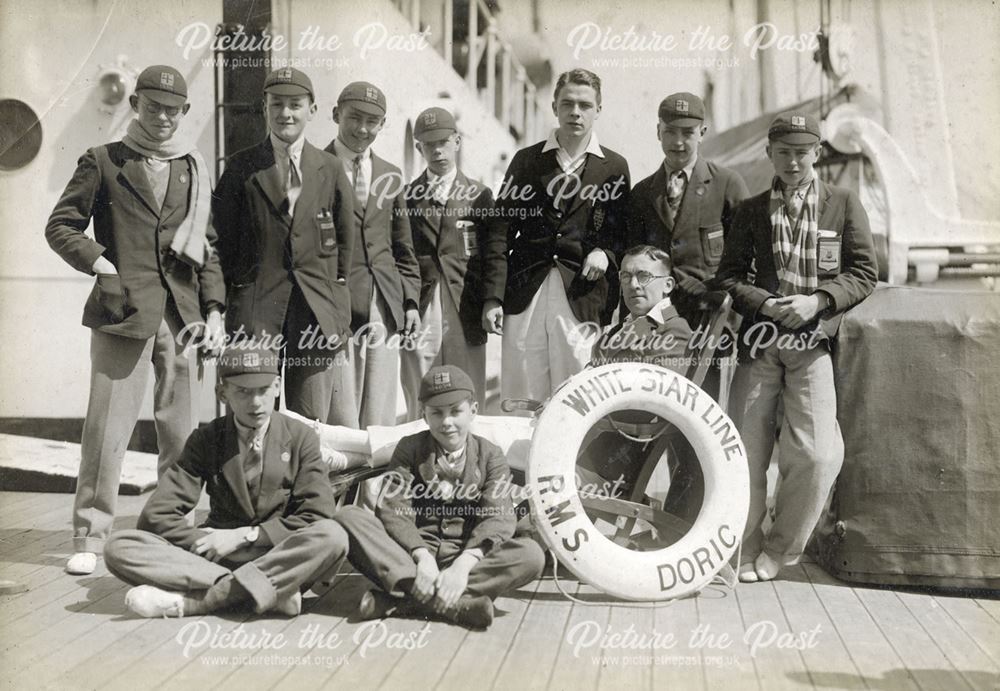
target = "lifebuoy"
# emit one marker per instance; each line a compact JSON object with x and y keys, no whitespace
{"x":685,"y":566}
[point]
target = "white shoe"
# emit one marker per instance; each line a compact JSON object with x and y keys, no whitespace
{"x":291,"y":606}
{"x":81,"y":563}
{"x":766,"y":567}
{"x":151,"y":602}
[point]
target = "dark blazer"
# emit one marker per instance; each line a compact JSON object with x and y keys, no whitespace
{"x":540,"y":236}
{"x":263,"y":250}
{"x":748,"y":247}
{"x":664,"y":344}
{"x":383,"y":247}
{"x":471,"y":274}
{"x":419,"y":521}
{"x":695,"y":238}
{"x":110,"y":186}
{"x":294,"y":487}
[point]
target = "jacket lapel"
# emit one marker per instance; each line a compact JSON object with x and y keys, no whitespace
{"x":689,"y":215}
{"x":429,"y":211}
{"x":276,"y":459}
{"x":660,"y":205}
{"x":313,"y":180}
{"x":593,"y":177}
{"x":549,"y":170}
{"x":268,"y":178}
{"x":379,"y":168}
{"x":823,"y":202}
{"x":472,"y":475}
{"x":232,"y":468}
{"x":426,"y":466}
{"x":134,"y":178}
{"x":177,"y":190}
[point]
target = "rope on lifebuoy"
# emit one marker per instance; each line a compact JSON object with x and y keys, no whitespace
{"x":680,"y":569}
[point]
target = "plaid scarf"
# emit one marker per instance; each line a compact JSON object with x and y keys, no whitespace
{"x":190,"y":243}
{"x":794,"y":246}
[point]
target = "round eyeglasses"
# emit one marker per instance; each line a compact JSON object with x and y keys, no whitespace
{"x":642,"y":277}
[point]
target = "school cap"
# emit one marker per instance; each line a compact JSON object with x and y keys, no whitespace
{"x":364,"y":96}
{"x":163,"y":84}
{"x":445,"y":384}
{"x":682,"y":110}
{"x":794,"y":127}
{"x":433,"y":124}
{"x":246,"y":363}
{"x":288,"y":81}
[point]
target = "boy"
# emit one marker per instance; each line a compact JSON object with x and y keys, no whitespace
{"x":284,"y":212}
{"x":268,"y":534}
{"x":384,"y":278}
{"x":459,"y":248}
{"x":566,"y":200}
{"x":686,"y":206}
{"x":441,"y":542}
{"x":157,"y":275}
{"x":798,"y":256}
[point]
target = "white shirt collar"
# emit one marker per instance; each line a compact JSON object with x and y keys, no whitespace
{"x":593,"y":146}
{"x":447,"y":180}
{"x":293,"y":150}
{"x":688,"y":169}
{"x":345,"y":153}
{"x":248,"y":434}
{"x":655,"y":312}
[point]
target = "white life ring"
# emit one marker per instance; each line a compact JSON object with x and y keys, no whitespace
{"x":674,"y":571}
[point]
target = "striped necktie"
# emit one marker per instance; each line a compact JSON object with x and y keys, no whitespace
{"x":360,"y":184}
{"x":253,"y":465}
{"x":675,"y":192}
{"x":293,"y":185}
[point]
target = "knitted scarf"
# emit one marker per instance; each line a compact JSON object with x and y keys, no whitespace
{"x":190,"y":243}
{"x":793,"y":241}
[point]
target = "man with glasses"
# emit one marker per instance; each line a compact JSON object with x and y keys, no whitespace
{"x":157,"y":275}
{"x":652,"y":333}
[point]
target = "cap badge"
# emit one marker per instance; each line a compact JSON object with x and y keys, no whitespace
{"x":430,"y":118}
{"x":370,"y":94}
{"x":251,"y":359}
{"x":285,"y":73}
{"x":166,"y":79}
{"x":798,"y":121}
{"x":441,"y":380}
{"x":682,"y":106}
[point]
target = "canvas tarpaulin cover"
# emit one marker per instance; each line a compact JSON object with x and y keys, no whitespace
{"x":918,"y":387}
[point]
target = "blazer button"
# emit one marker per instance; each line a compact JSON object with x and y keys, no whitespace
{"x":558,"y":235}
{"x":555,"y":256}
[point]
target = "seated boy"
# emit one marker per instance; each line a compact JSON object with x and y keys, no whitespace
{"x":442,"y":541}
{"x":268,"y":534}
{"x":652,"y":333}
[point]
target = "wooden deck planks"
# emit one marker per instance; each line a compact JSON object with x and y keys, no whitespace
{"x":75,"y":633}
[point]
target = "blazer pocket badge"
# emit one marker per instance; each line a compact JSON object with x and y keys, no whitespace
{"x":327,"y":232}
{"x":712,"y":241}
{"x":828,"y":255}
{"x":599,"y":215}
{"x":470,"y":240}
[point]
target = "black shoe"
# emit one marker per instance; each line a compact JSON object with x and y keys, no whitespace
{"x":375,"y":604}
{"x":473,"y":612}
